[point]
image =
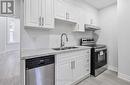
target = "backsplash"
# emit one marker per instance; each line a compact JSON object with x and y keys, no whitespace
{"x":38,"y":38}
{"x":34,"y":38}
{"x":63,"y":27}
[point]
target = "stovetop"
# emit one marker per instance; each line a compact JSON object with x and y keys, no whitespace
{"x":96,"y":46}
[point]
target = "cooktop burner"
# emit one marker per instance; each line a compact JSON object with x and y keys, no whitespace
{"x":97,"y":46}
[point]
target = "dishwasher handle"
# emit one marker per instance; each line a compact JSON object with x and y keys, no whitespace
{"x":39,"y":61}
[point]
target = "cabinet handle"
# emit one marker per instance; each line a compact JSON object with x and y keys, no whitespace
{"x":87,"y":70}
{"x":39,"y":21}
{"x":67,"y":15}
{"x":73,"y":65}
{"x":91,"y":21}
{"x":78,"y":26}
{"x":42,"y":21}
{"x":87,"y":60}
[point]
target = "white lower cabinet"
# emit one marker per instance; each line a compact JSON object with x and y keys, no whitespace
{"x":79,"y":70}
{"x":64,"y":74}
{"x":71,"y":67}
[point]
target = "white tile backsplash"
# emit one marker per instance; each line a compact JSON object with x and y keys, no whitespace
{"x":34,"y":38}
{"x":55,"y":41}
{"x":37,"y":38}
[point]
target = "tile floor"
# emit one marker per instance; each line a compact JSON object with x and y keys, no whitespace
{"x":106,"y":78}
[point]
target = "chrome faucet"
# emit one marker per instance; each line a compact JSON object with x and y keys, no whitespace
{"x":62,"y":43}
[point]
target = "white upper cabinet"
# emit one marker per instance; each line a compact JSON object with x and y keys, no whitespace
{"x":49,"y":14}
{"x":39,"y":13}
{"x":64,"y":11}
{"x":85,"y":18}
{"x":32,"y":13}
{"x":80,"y":22}
{"x":91,"y":19}
{"x":60,"y":9}
{"x":71,"y":14}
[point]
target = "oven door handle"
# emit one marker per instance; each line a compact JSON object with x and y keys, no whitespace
{"x":97,"y":50}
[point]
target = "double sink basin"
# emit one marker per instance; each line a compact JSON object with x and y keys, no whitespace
{"x":64,"y":48}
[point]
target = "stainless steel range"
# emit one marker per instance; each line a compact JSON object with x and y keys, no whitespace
{"x":98,"y":56}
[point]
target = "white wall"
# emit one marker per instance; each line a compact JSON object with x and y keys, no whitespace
{"x":35,"y":38}
{"x":108,"y":24}
{"x":124,"y":38}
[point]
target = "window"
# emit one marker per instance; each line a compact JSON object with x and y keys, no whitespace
{"x":13,"y":30}
{"x":11,"y":27}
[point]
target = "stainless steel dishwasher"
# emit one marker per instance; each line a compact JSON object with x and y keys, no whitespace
{"x":40,"y":71}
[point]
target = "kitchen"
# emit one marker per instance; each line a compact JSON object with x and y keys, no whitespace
{"x":70,"y":42}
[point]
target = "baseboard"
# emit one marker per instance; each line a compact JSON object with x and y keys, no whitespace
{"x":80,"y":80}
{"x":112,"y":68}
{"x":124,"y":76}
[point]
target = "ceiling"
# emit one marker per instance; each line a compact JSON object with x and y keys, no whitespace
{"x":99,"y":4}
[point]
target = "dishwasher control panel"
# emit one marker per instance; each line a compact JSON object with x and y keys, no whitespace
{"x":39,"y":61}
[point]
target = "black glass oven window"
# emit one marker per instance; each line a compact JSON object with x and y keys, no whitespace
{"x":101,"y":58}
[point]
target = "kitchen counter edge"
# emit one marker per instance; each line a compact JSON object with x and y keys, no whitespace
{"x":27,"y":54}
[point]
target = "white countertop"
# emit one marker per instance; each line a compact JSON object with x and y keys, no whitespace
{"x":26,"y":54}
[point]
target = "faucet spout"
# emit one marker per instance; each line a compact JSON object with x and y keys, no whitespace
{"x":62,"y":43}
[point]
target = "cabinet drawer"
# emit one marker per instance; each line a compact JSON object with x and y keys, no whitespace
{"x":63,"y":57}
{"x":84,"y":54}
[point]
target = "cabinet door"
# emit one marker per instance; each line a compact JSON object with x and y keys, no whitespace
{"x":33,"y":13}
{"x":63,"y":74}
{"x":81,"y":21}
{"x":79,"y":70}
{"x":87,"y":62}
{"x":43,"y":12}
{"x":48,"y":20}
{"x":60,"y":10}
{"x":82,"y":65}
{"x":91,"y":19}
{"x":72,"y":14}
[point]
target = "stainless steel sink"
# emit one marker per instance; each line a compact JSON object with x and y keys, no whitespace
{"x":64,"y":48}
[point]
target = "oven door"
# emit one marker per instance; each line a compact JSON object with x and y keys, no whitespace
{"x":100,"y":57}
